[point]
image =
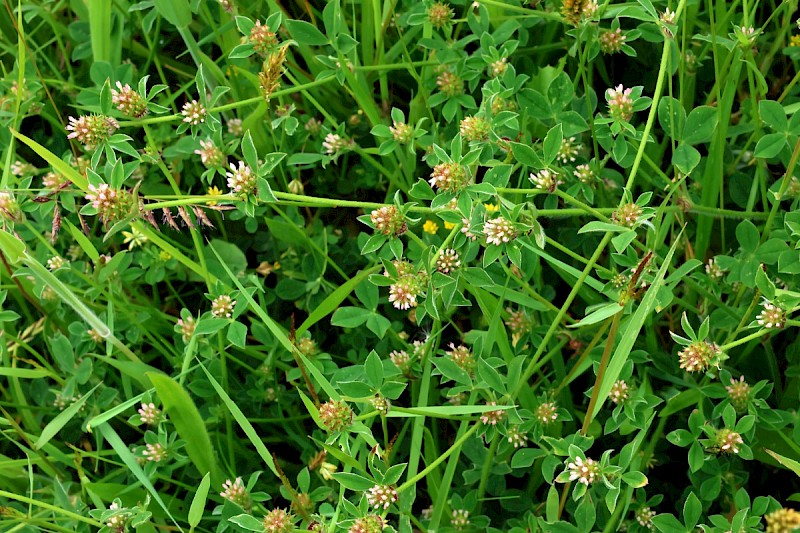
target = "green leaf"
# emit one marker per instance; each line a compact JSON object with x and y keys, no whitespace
{"x":249,"y":151}
{"x":334,"y":299}
{"x":353,"y":481}
{"x":105,"y":98}
{"x":791,"y":464}
{"x":498,"y":176}
{"x":176,"y":12}
{"x":491,"y":376}
{"x":770,"y":145}
{"x":305,"y":33}
{"x":237,"y":334}
{"x":350,"y":317}
{"x":585,"y":515}
{"x":552,"y":504}
{"x":748,"y":236}
{"x":598,"y":315}
{"x":552,"y":143}
{"x":199,"y":501}
{"x":604,"y":227}
{"x":183,"y":414}
{"x":525,"y":457}
{"x":686,"y":158}
{"x":666,"y":523}
{"x":700,"y":125}
{"x":773,"y":115}
{"x":635,"y":479}
{"x":526,"y":156}
{"x":248,"y":522}
{"x":692,"y":509}
{"x":373,"y":367}
{"x":671,"y":116}
{"x":83,"y":241}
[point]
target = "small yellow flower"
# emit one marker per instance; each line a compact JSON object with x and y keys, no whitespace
{"x":214,"y":191}
{"x":164,"y":256}
{"x":491,"y":208}
{"x":430,"y":227}
{"x":449,"y":225}
{"x":134,"y":238}
{"x":794,"y":40}
{"x":327,"y":470}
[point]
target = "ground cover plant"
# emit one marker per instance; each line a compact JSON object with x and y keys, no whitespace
{"x":399,"y":265}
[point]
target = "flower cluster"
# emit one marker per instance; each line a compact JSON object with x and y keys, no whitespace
{"x":516,"y":437}
{"x":335,"y":415}
{"x":585,"y":471}
{"x":149,"y":414}
{"x":738,"y":393}
{"x":389,"y":221}
{"x":450,"y":83}
{"x":91,"y":130}
{"x":381,"y":496}
{"x":448,"y":261}
{"x":401,"y":132}
{"x":644,"y":517}
{"x":155,"y":452}
{"x":194,"y":113}
{"x":459,"y":518}
{"x":713,"y":269}
{"x":697,"y":356}
{"x":568,"y":151}
{"x":771,"y":316}
{"x":574,"y":11}
{"x":242,"y":181}
{"x":222,"y":306}
{"x":499,"y":231}
{"x":368,"y":524}
{"x":462,"y":357}
{"x":111,"y":204}
{"x":440,"y":14}
{"x":783,"y":520}
{"x":611,"y":41}
{"x":128,"y":101}
{"x":492,"y":417}
{"x":728,"y":441}
{"x":619,"y":392}
{"x":547,"y":413}
{"x":449,"y":177}
{"x":585,"y":174}
{"x":546,"y":179}
{"x":210,"y":155}
{"x":620,"y":103}
{"x":278,"y":521}
{"x":235,"y":492}
{"x":474,"y":129}
{"x":262,"y":39}
{"x":627,"y":215}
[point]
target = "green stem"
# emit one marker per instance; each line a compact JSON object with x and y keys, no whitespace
{"x":54,"y":508}
{"x":439,"y":460}
{"x":743,"y":340}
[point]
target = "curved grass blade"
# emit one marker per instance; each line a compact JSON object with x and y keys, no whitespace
{"x":183,"y":413}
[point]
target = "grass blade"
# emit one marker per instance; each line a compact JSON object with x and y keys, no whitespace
{"x":183,"y":413}
{"x":56,"y":424}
